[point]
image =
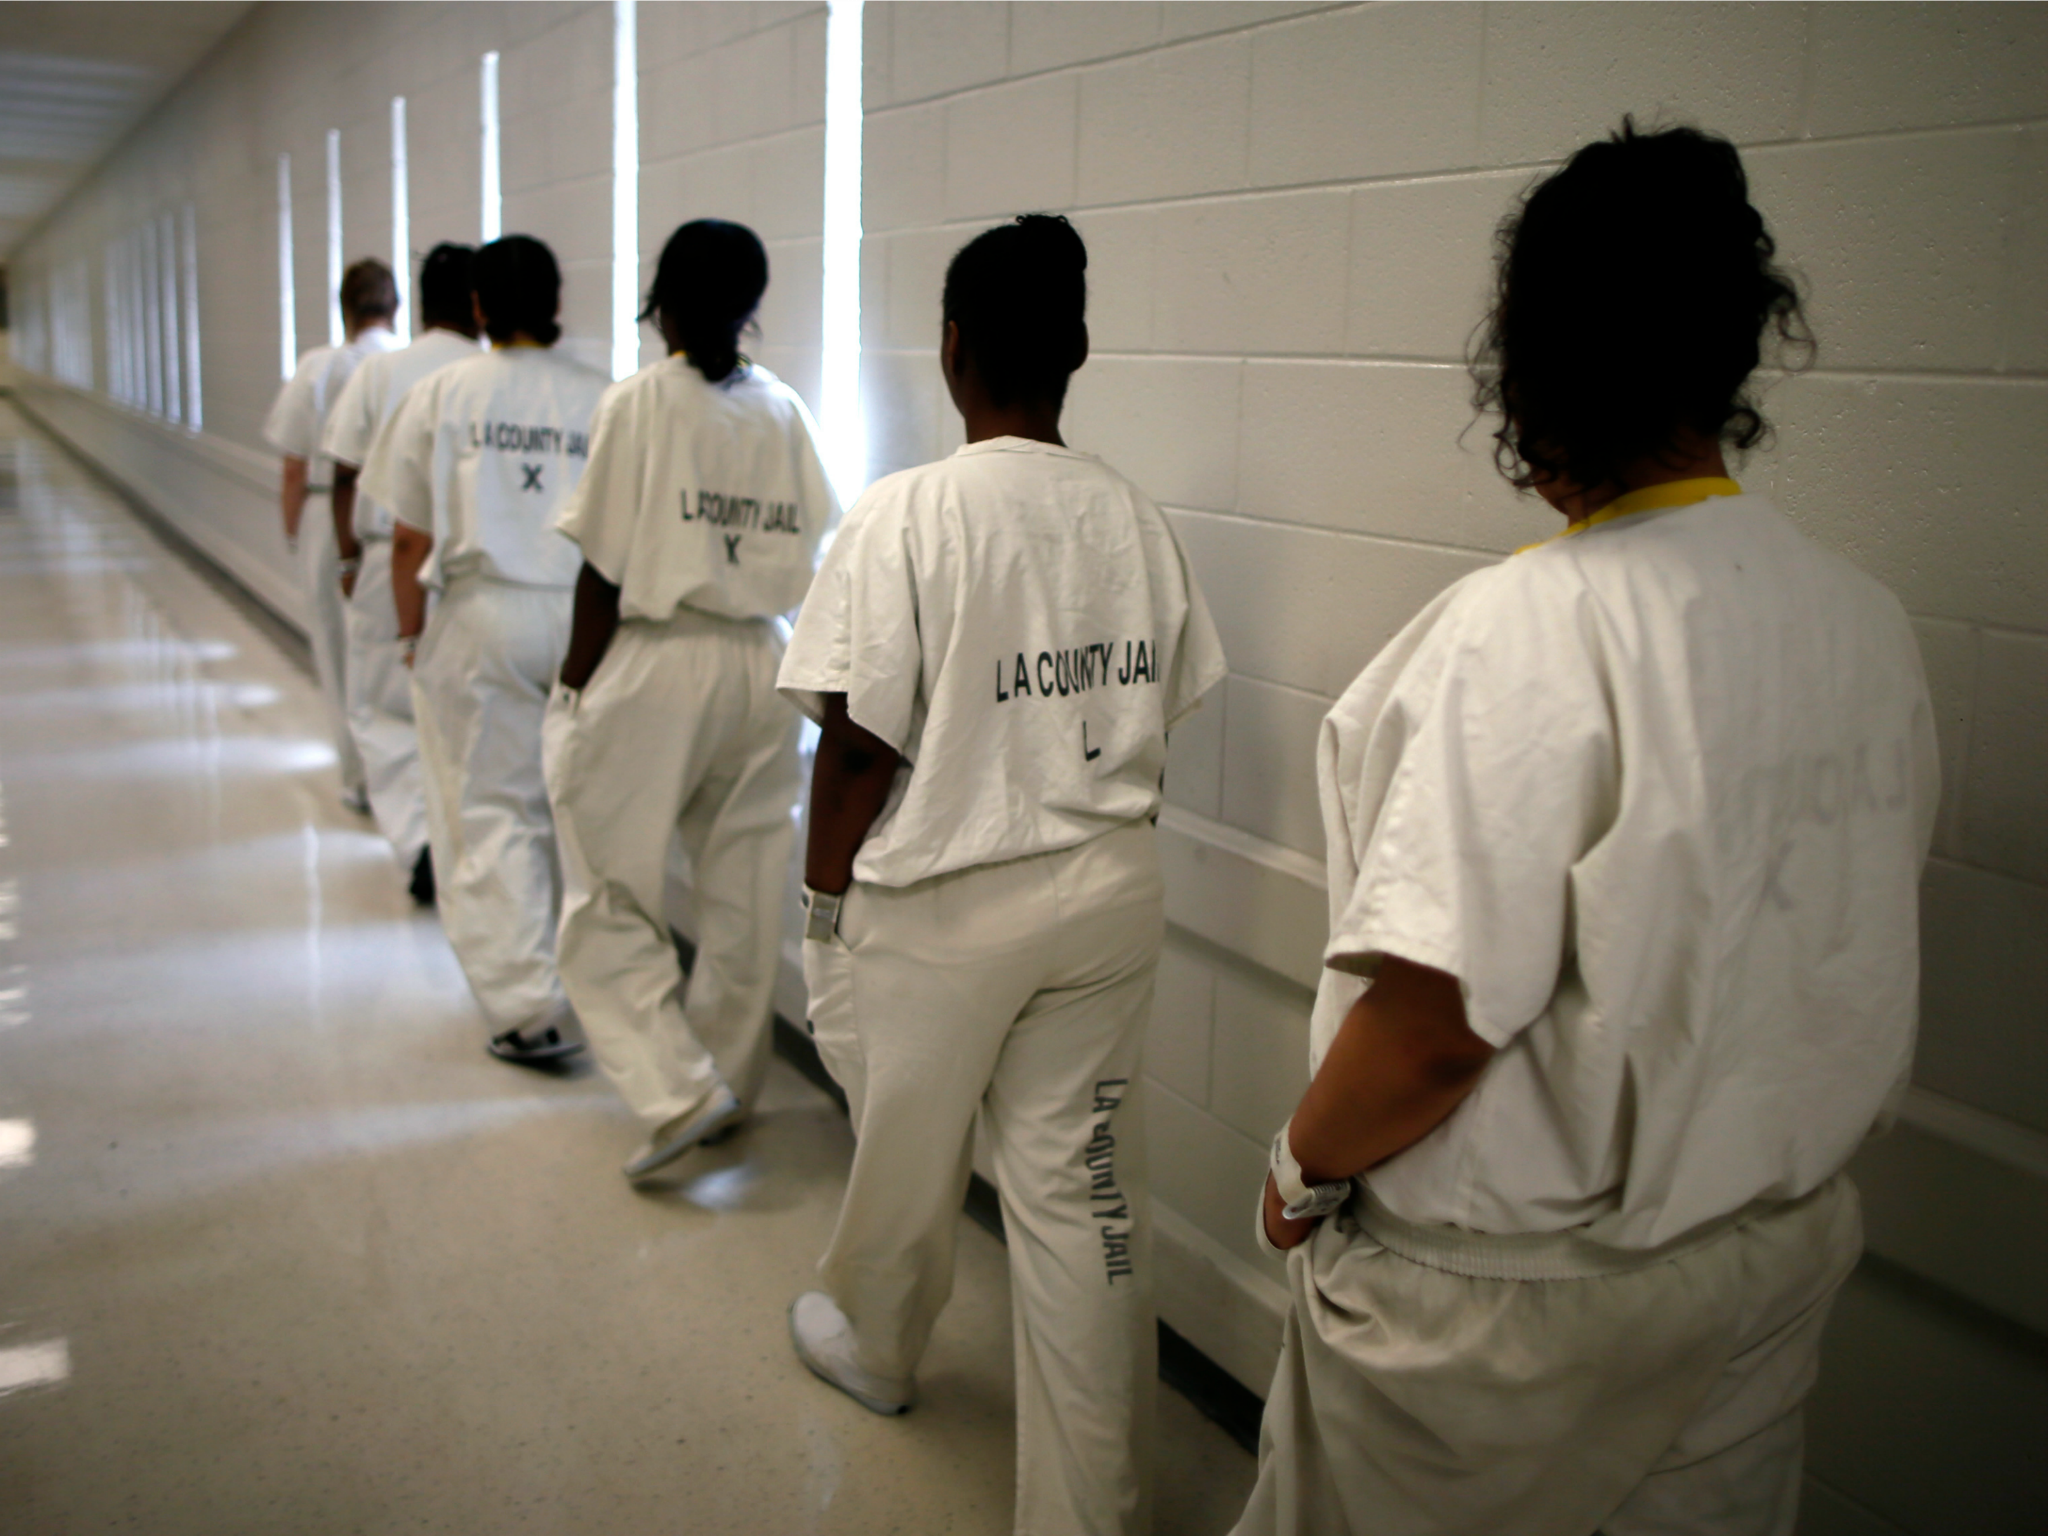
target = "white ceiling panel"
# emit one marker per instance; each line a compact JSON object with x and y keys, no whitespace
{"x":74,"y":78}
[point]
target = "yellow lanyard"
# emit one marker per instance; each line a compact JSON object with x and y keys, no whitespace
{"x":1651,"y":498}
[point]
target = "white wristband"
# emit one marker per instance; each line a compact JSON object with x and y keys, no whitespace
{"x":1303,"y":1201}
{"x":823,"y":920}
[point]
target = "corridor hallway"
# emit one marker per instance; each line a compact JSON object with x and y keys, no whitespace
{"x":281,"y":1248}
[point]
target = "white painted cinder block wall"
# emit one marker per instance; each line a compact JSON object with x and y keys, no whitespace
{"x":1289,"y":210}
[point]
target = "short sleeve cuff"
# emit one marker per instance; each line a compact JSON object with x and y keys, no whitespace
{"x":1185,"y":710}
{"x":807,"y":690}
{"x":1360,"y":954}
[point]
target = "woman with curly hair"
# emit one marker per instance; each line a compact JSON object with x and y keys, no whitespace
{"x":1624,"y":839}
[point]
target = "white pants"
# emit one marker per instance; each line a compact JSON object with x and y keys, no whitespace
{"x":1020,"y":990}
{"x":320,"y":570}
{"x":380,"y":707}
{"x":680,"y":731}
{"x":1663,"y":1400}
{"x":480,"y":689}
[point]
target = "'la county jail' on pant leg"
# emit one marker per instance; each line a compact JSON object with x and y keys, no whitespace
{"x":1421,"y":1393}
{"x":326,"y":628}
{"x":680,"y":732}
{"x":379,"y":687}
{"x":480,"y":688}
{"x":1020,"y":991}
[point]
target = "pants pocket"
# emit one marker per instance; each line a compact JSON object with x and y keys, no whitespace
{"x":828,"y":981}
{"x":557,"y":740}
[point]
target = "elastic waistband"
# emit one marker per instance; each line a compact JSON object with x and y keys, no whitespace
{"x":477,"y":578}
{"x":687,"y":620}
{"x":1567,"y":1255}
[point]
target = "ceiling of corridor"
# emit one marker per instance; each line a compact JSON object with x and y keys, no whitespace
{"x":76,"y":77}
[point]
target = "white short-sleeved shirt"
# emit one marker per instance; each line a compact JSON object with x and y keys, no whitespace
{"x":1020,"y":623}
{"x":293,"y":425}
{"x":700,"y":495}
{"x":1659,"y":796}
{"x":482,"y":454}
{"x":367,"y":401}
{"x":297,"y":422}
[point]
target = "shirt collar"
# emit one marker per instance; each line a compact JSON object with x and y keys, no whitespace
{"x":1017,"y":445}
{"x":1651,"y":498}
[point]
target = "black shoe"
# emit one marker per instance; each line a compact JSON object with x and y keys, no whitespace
{"x":544,"y":1046}
{"x":422,"y":886}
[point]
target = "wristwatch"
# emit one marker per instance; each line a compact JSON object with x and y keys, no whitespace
{"x":1303,"y":1202}
{"x":823,"y":908}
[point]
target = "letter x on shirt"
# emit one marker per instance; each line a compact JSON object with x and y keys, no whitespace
{"x":482,"y":454}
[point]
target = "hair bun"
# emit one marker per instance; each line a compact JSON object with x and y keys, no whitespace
{"x":1049,"y":237}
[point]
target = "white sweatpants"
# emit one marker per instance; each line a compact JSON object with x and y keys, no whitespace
{"x":1662,"y":1400}
{"x":680,"y":731}
{"x":320,"y":570}
{"x":380,"y":707}
{"x":480,"y":689}
{"x":1020,"y":990}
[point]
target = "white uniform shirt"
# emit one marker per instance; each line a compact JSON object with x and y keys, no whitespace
{"x":1019,"y":622}
{"x":298,"y":418}
{"x":1658,"y":795}
{"x":700,"y":495}
{"x":367,"y":401}
{"x":482,"y":454}
{"x":293,"y":425}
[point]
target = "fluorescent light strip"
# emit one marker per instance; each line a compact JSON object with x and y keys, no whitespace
{"x":336,"y":335}
{"x":152,"y":320}
{"x":195,"y":415}
{"x":110,"y":302}
{"x":841,"y":421}
{"x":287,"y":309}
{"x":493,"y":194}
{"x":167,"y":274}
{"x":132,"y":275}
{"x":401,"y":223}
{"x":625,"y":189}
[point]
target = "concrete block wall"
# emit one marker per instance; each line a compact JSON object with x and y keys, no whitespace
{"x":1289,"y":211}
{"x":732,"y":125}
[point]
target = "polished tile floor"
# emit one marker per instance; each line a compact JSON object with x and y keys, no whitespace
{"x":281,"y":1248}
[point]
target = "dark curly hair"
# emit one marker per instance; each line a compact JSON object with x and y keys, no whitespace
{"x":1635,"y":289}
{"x":1019,"y":293}
{"x":707,"y":286}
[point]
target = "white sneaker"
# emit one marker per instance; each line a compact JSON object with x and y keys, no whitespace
{"x":675,"y":1137}
{"x":824,"y":1342}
